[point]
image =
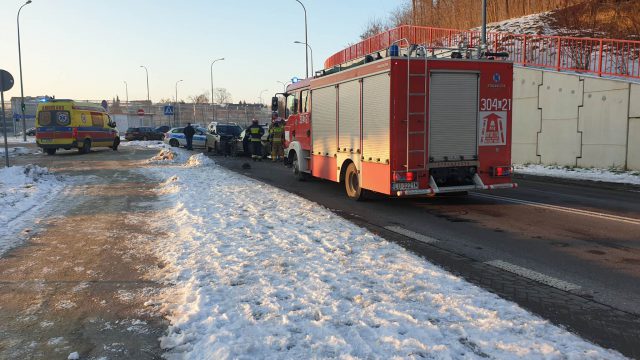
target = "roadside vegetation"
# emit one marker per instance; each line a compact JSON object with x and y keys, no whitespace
{"x":602,"y":18}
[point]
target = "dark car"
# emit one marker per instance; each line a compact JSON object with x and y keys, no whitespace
{"x":143,"y":133}
{"x":163,"y":129}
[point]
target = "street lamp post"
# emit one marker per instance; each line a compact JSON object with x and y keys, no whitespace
{"x":306,"y":40}
{"x":311,"y":51}
{"x":284,"y":85}
{"x":260,"y":97}
{"x":212,"y":104}
{"x":24,"y":124}
{"x":126,"y":90}
{"x":176,"y":105}
{"x":147,"y":72}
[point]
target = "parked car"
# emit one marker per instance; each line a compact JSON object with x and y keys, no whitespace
{"x":142,"y":133}
{"x":30,"y":132}
{"x":266,"y":146}
{"x":175,"y":137}
{"x":221,"y":135}
{"x":163,"y":129}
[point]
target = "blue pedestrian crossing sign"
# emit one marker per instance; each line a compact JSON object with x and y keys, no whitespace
{"x":168,"y":109}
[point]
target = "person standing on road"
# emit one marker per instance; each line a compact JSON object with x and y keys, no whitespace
{"x":255,"y":132}
{"x":276,"y":134}
{"x":189,"y":131}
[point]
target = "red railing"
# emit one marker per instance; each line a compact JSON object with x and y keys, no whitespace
{"x":609,"y":57}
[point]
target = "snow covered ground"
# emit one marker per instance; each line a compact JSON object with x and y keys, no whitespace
{"x":255,"y":272}
{"x":18,"y":140}
{"x":535,"y":24}
{"x":24,"y":191}
{"x":20,"y":150}
{"x":151,"y":144}
{"x":624,"y":177}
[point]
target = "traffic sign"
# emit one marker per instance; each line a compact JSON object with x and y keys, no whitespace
{"x":6,"y":81}
{"x":141,"y":112}
{"x":168,"y":109}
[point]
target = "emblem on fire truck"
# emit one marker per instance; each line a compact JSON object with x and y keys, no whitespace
{"x":493,"y":128}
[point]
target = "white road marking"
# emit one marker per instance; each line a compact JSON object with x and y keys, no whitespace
{"x":414,"y":235}
{"x":563,"y":209}
{"x":534,"y":275}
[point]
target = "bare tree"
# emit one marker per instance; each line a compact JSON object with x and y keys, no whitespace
{"x":373,"y":27}
{"x":199,"y":99}
{"x":221,"y":96}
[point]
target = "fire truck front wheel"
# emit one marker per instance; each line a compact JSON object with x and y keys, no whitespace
{"x":352,"y":183}
{"x":301,"y":176}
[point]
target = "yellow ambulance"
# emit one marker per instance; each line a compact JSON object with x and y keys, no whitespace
{"x":67,"y":124}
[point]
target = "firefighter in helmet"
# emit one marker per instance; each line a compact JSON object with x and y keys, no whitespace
{"x":255,"y":132}
{"x":276,"y":136}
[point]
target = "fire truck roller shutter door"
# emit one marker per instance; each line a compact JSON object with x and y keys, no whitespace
{"x":324,"y":121}
{"x":453,"y":116}
{"x":349,"y":117}
{"x":375,"y":118}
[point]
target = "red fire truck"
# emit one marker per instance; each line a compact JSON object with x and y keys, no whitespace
{"x":403,"y":125}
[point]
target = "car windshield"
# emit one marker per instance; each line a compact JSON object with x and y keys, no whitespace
{"x":234,"y":130}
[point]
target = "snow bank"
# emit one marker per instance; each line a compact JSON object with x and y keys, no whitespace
{"x":256,"y":272}
{"x":622,"y":177}
{"x":199,"y":160}
{"x":175,"y":156}
{"x":24,"y":190}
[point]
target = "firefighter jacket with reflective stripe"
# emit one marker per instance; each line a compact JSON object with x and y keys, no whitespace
{"x":255,"y":132}
{"x":276,"y":133}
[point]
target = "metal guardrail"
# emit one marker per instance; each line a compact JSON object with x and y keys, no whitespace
{"x":601,"y":57}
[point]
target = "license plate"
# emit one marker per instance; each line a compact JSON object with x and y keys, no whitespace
{"x":45,"y":141}
{"x":405,"y":186}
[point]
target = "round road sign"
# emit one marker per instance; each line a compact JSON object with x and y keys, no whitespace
{"x":141,"y":112}
{"x":6,"y":80}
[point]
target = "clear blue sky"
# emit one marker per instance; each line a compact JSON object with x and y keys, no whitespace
{"x":86,"y":49}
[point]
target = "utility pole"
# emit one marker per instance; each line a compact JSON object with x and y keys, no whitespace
{"x":484,"y":23}
{"x":24,"y":124}
{"x":176,"y":107}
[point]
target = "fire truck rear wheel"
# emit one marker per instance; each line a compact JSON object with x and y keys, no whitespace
{"x":51,"y":151}
{"x":352,"y":183}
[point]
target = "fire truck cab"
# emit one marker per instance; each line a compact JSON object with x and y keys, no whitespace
{"x":404,"y":124}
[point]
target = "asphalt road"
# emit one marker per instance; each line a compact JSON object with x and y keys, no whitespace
{"x":580,"y":238}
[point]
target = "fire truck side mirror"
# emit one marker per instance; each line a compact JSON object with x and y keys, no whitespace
{"x":274,"y":103}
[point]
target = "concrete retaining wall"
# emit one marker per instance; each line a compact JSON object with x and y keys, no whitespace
{"x":572,"y":120}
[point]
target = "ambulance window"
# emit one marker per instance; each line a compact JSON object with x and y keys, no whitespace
{"x":291,"y":103}
{"x":305,"y":102}
{"x":44,"y":118}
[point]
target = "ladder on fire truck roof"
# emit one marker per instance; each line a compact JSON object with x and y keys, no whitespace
{"x":416,"y":120}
